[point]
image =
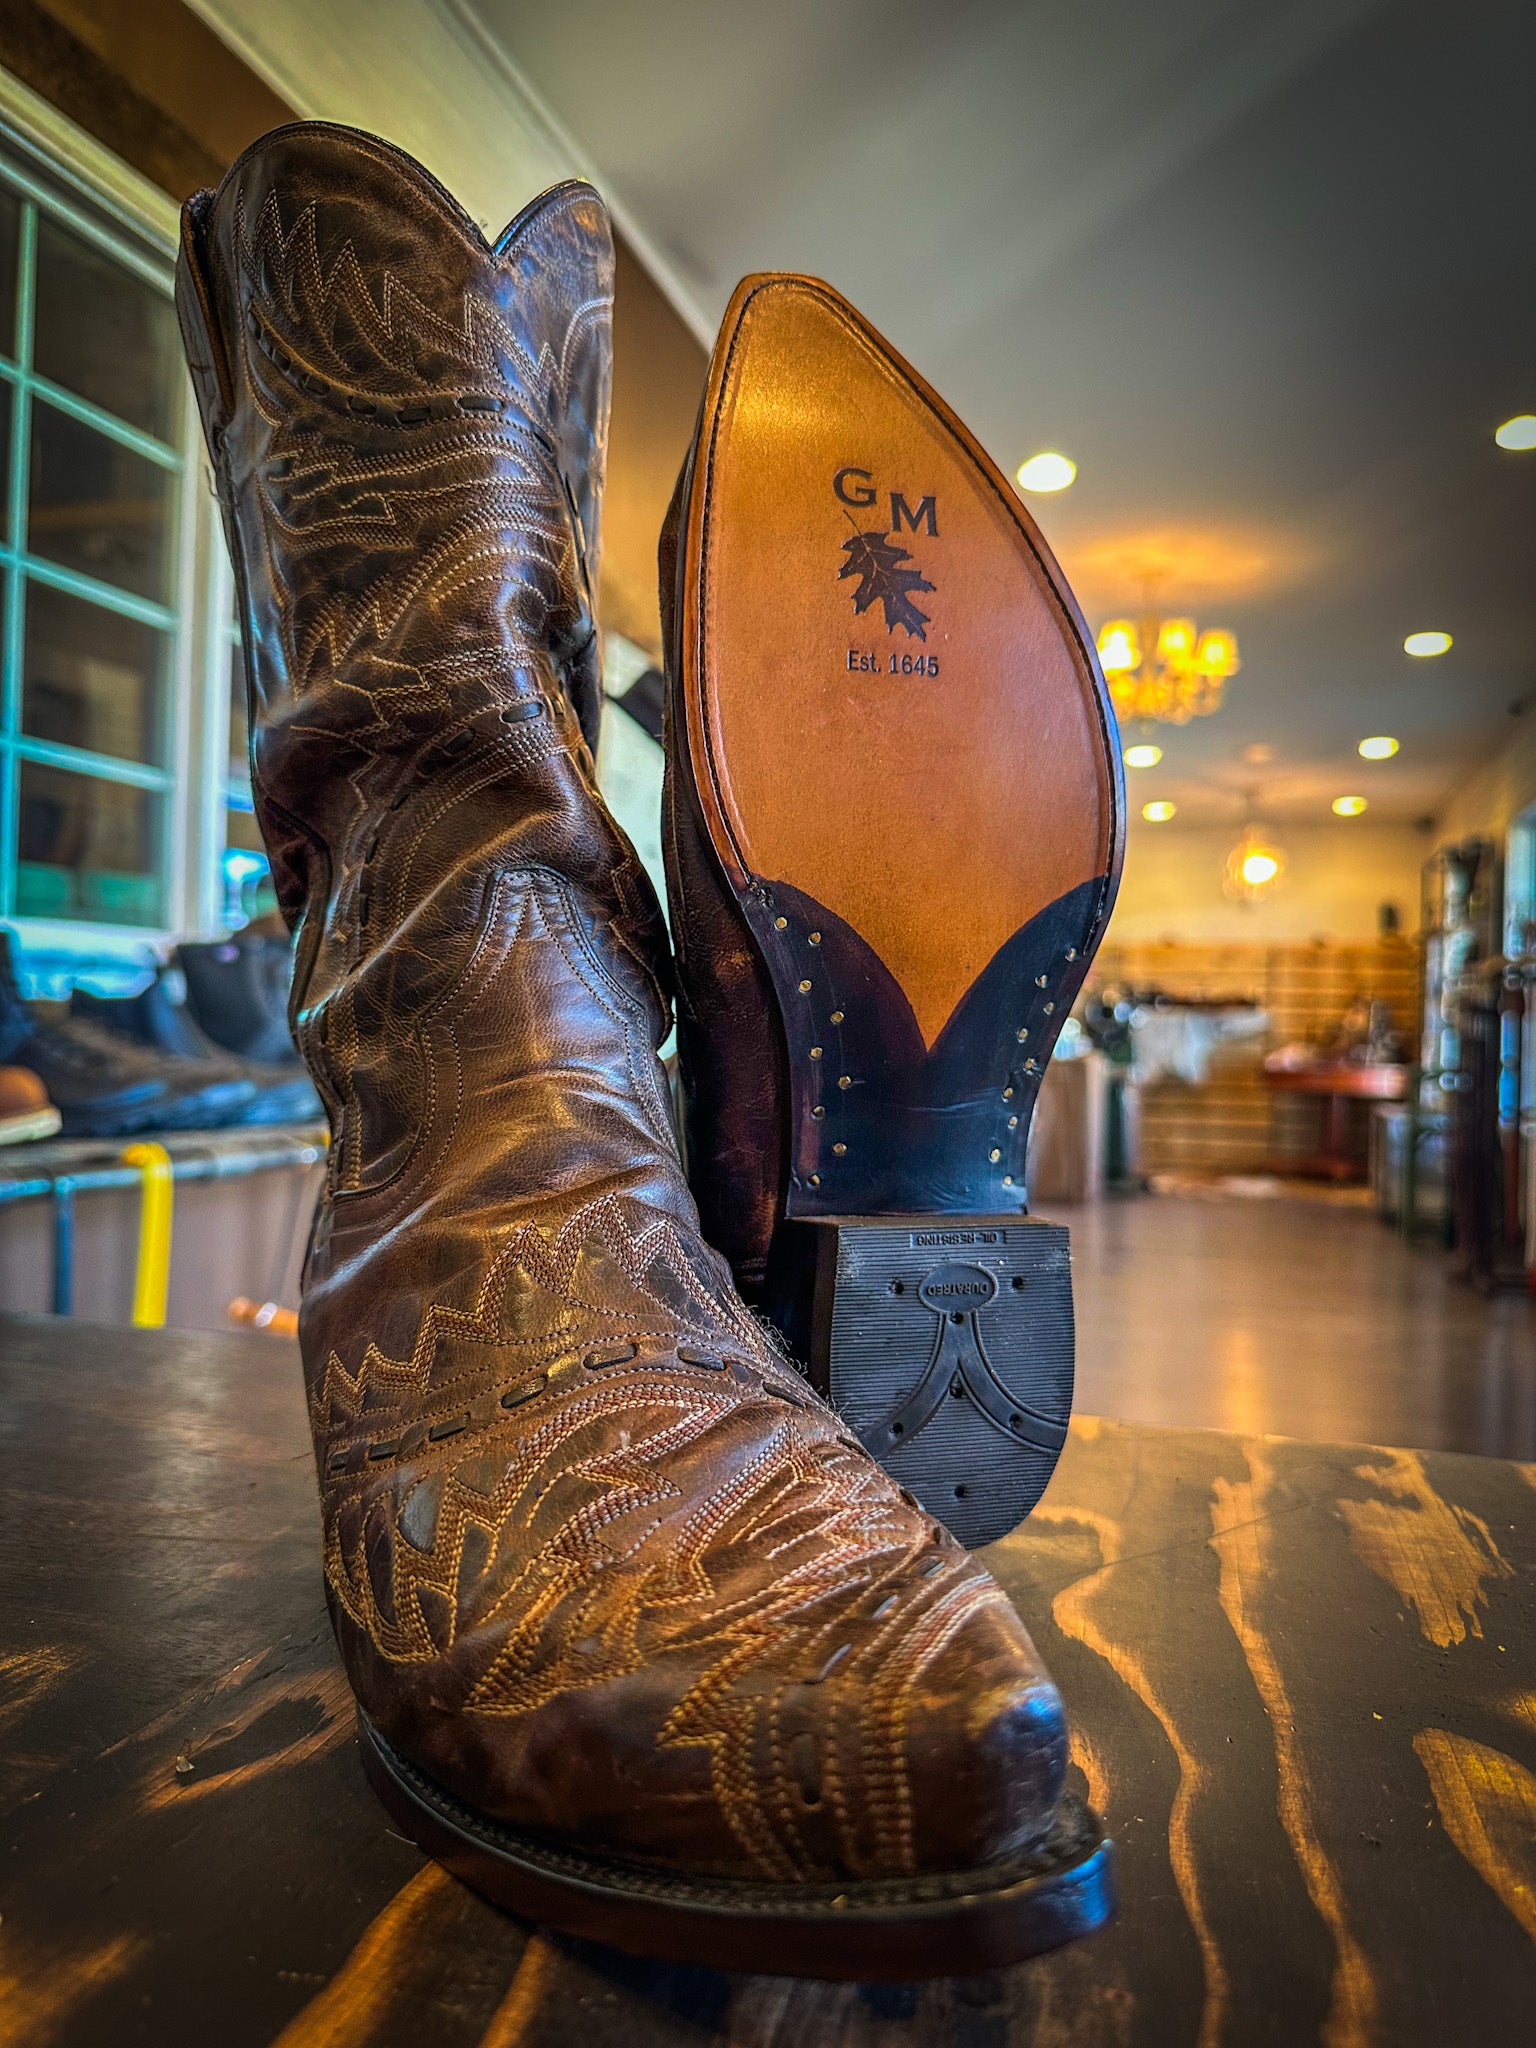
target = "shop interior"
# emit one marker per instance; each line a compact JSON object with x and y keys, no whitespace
{"x":1240,"y":296}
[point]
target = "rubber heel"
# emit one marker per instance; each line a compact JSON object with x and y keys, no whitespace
{"x":946,"y":1343}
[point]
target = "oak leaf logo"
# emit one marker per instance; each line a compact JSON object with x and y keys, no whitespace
{"x":876,"y":561}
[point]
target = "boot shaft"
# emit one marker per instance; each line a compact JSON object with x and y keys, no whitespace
{"x":407,"y":426}
{"x":410,"y":419}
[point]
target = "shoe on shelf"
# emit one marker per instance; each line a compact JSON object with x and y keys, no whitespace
{"x":25,"y":1111}
{"x":237,"y":993}
{"x":645,"y":1645}
{"x":104,"y":1086}
{"x":159,"y":1017}
{"x":893,"y":832}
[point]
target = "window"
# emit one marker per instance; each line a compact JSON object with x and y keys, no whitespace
{"x":114,"y":684}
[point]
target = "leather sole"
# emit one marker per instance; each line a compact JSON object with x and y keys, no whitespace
{"x":891,"y":1931}
{"x":906,"y":763}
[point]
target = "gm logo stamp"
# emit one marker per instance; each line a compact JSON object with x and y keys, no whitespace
{"x":885,"y":572}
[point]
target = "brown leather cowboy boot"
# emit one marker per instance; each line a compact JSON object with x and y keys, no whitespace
{"x":894,"y":823}
{"x":644,"y":1644}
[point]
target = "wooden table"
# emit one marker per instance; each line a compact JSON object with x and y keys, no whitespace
{"x":1340,"y":1083}
{"x":1302,"y":1677}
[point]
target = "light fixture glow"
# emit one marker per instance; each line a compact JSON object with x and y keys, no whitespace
{"x":1379,"y":749}
{"x":1254,"y":866}
{"x":1520,"y":432}
{"x":1158,"y":813}
{"x":1119,"y":648}
{"x":1348,"y":806}
{"x":1216,"y":654}
{"x":1176,"y":641}
{"x":1046,"y":471}
{"x":1143,"y":757}
{"x":1427,"y":643}
{"x":1166,"y":671}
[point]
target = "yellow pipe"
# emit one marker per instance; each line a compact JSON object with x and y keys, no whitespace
{"x":152,"y":1273}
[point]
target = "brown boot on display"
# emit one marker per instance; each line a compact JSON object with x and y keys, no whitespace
{"x":25,"y":1111}
{"x":894,"y":823}
{"x":644,"y":1644}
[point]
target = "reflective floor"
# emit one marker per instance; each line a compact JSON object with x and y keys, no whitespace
{"x":1293,"y":1318}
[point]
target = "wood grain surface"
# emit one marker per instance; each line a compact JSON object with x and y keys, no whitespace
{"x":1302,"y":1679}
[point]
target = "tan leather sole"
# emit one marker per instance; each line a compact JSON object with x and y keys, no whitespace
{"x":896,"y":712}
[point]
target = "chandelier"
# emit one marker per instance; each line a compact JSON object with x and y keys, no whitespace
{"x":1165,"y":669}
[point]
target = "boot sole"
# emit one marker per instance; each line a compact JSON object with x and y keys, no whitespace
{"x":889,"y":1931}
{"x":33,"y":1123}
{"x":905,"y":760}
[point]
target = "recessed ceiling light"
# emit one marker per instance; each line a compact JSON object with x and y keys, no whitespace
{"x":1520,"y":432}
{"x":1427,"y":643}
{"x":1379,"y":749}
{"x":1348,"y":806}
{"x":1047,"y":472}
{"x":1158,"y":813}
{"x":1259,"y":868}
{"x":1143,"y":757}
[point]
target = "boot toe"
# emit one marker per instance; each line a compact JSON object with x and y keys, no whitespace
{"x":986,"y":1746}
{"x":824,"y":1707}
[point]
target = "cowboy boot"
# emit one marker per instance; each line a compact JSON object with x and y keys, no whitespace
{"x":644,"y":1644}
{"x":893,"y":828}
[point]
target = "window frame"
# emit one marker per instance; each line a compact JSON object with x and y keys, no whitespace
{"x":135,"y":223}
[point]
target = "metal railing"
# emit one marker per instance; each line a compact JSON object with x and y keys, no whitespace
{"x":155,"y":1171}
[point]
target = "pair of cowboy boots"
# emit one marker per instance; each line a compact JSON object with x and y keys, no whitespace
{"x":646,"y":1643}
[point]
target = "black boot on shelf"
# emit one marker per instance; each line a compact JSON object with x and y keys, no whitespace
{"x":159,"y":1017}
{"x":104,"y":1086}
{"x":237,"y":992}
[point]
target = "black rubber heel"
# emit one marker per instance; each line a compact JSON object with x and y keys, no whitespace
{"x":946,"y":1343}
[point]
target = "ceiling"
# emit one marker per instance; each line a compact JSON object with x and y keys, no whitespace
{"x":1262,"y":268}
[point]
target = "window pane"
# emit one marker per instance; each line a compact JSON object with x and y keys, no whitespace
{"x":10,"y":217}
{"x":87,"y":848}
{"x":92,"y":679}
{"x":104,"y":334}
{"x":99,"y":508}
{"x":7,"y":413}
